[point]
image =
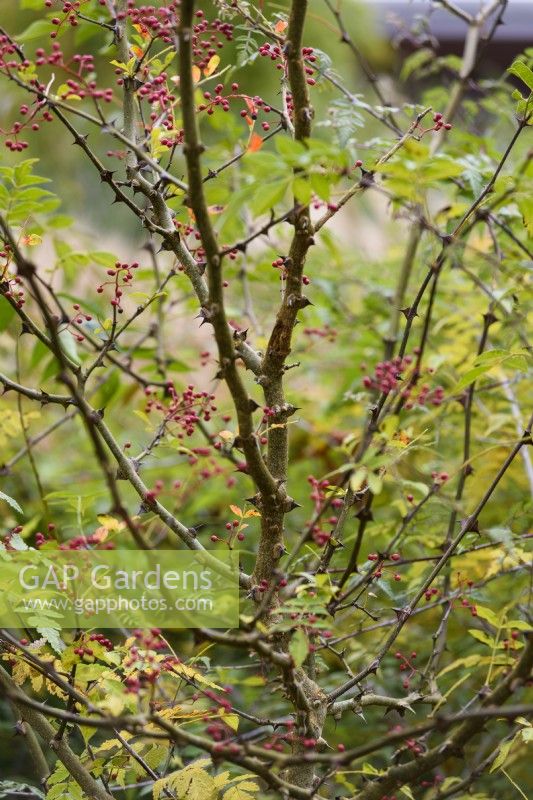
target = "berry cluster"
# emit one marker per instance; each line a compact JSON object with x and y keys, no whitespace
{"x":122,"y":275}
{"x":79,"y":318}
{"x":283,"y":263}
{"x":406,"y":667}
{"x":275,"y":53}
{"x":318,"y":495}
{"x":440,"y":124}
{"x":219,"y":32}
{"x":94,"y":540}
{"x":142,"y":653}
{"x":387,"y":374}
{"x":83,"y":650}
{"x":389,"y":377}
{"x":322,"y":333}
{"x":185,"y":408}
{"x":381,"y":566}
{"x":235,"y":530}
{"x":431,"y":593}
{"x":439,"y":477}
{"x":70,"y":14}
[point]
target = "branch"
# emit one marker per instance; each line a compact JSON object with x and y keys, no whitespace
{"x":468,"y":525}
{"x":214,"y":308}
{"x":68,"y":758}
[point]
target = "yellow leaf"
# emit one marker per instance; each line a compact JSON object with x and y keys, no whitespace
{"x":280,"y":26}
{"x":236,"y":510}
{"x":178,"y":712}
{"x":110,"y":523}
{"x":20,"y":672}
{"x":227,"y":436}
{"x":212,"y":64}
{"x":191,"y":782}
{"x":232,"y":720}
{"x":37,"y":681}
{"x":192,"y":674}
{"x":222,"y":779}
{"x":196,"y":74}
{"x":241,"y":791}
{"x":31,"y":240}
{"x":128,"y":69}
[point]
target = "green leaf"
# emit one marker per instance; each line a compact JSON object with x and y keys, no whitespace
{"x":490,"y":356}
{"x":302,"y":190}
{"x":11,"y":502}
{"x":523,"y":72}
{"x":375,"y":483}
{"x":68,"y":345}
{"x":519,"y":624}
{"x":269,"y":196}
{"x":37,"y":29}
{"x":487,"y":614}
{"x":9,"y":790}
{"x":321,"y":185}
{"x":525,"y":204}
{"x":53,"y":638}
{"x":501,"y":758}
{"x":7,"y":312}
{"x":517,"y":361}
{"x":289,"y":147}
{"x":415,"y":61}
{"x":482,"y":637}
{"x":299,"y":647}
{"x":358,"y":478}
{"x":470,"y":376}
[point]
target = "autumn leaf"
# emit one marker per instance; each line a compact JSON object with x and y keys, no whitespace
{"x":212,"y":64}
{"x":255,"y":143}
{"x":141,"y":30}
{"x":31,"y":240}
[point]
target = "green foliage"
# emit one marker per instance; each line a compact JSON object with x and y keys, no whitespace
{"x":390,"y":239}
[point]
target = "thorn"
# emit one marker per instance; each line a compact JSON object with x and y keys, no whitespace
{"x":106,"y":176}
{"x":471,"y":525}
{"x":365,"y":514}
{"x":367,"y":179}
{"x":290,"y":505}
